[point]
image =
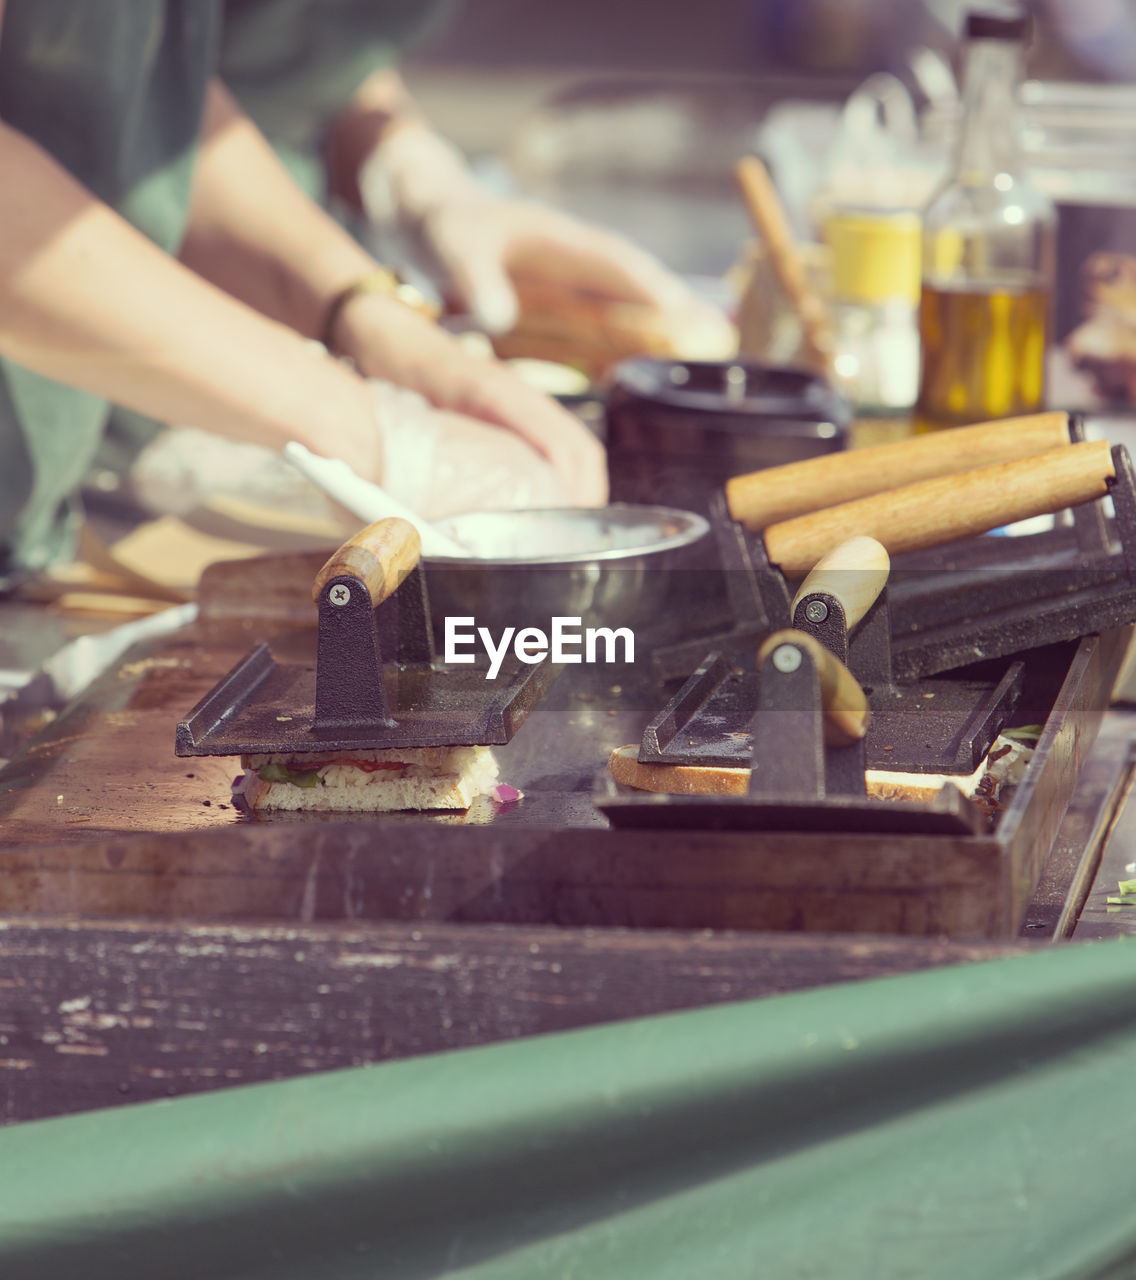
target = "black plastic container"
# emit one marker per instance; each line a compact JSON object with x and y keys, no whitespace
{"x":678,"y":430}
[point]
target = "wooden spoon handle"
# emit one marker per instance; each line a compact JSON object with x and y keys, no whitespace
{"x":380,"y":556}
{"x":950,"y":507}
{"x":767,"y":497}
{"x":768,"y":216}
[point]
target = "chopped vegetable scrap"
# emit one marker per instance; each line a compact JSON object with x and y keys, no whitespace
{"x":1126,"y":895}
{"x":504,"y":794}
{"x":1027,"y":733}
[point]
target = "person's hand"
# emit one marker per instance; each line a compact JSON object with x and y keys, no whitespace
{"x":436,"y":463}
{"x":496,"y":258}
{"x":440,"y":464}
{"x":387,"y":341}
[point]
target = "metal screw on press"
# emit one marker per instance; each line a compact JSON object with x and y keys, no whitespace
{"x":786,"y":658}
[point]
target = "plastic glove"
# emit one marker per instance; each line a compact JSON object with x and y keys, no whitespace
{"x":386,"y":341}
{"x":437,"y":463}
{"x":185,"y":468}
{"x":481,"y":247}
{"x":440,"y":464}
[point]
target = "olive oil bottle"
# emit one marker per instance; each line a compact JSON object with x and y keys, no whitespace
{"x":988,"y":252}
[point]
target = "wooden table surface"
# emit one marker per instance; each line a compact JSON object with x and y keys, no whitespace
{"x":152,"y":943}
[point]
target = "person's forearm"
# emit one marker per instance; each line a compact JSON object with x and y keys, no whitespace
{"x":87,"y":300}
{"x":257,"y":235}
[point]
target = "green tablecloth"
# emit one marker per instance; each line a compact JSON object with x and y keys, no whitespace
{"x":959,"y":1123}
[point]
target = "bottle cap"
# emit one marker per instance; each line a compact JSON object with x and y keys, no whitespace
{"x":997,"y":24}
{"x":875,"y":254}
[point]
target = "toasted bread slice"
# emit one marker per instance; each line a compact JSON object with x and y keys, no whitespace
{"x":702,"y":780}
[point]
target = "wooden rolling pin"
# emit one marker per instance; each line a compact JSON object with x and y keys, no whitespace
{"x":779,"y":493}
{"x":949,"y":507}
{"x":380,"y":556}
{"x":768,"y":216}
{"x":846,"y":713}
{"x":854,"y":573}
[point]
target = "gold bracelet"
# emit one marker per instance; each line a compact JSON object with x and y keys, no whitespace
{"x":378,"y":280}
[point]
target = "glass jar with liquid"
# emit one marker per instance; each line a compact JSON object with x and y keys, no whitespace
{"x":988,"y":252}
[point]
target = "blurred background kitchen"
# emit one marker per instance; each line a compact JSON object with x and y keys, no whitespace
{"x":851,"y":103}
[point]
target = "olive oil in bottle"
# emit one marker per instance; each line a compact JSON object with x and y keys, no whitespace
{"x":983,"y":352}
{"x":988,"y":252}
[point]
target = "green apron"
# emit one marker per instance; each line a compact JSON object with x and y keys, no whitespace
{"x":114,"y":91}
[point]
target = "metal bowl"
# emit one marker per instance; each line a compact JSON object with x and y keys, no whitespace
{"x":609,"y":566}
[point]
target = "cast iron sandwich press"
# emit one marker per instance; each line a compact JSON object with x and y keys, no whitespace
{"x":984,"y":599}
{"x":954,"y":598}
{"x":375,"y":683}
{"x":805,"y":748}
{"x":935,"y":725}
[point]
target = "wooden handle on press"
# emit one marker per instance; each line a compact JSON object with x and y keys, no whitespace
{"x":768,"y":216}
{"x":381,"y":555}
{"x":846,"y":713}
{"x":765,"y":497}
{"x":956,"y":506}
{"x":855,"y":572}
